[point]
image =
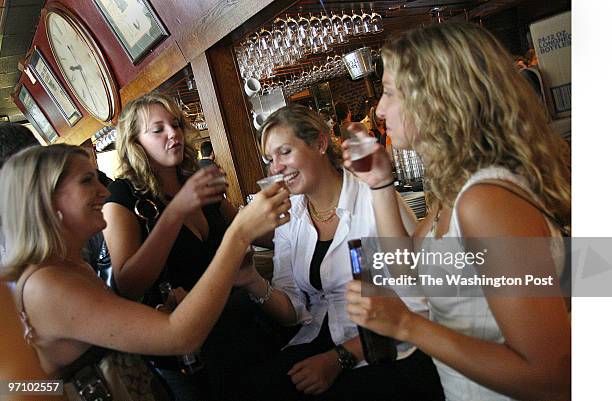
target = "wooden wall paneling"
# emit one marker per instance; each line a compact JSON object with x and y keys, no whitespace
{"x":168,"y":63}
{"x":229,"y":121}
{"x":216,"y":129}
{"x":204,"y":23}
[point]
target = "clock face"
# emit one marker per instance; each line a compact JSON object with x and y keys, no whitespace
{"x":82,"y":68}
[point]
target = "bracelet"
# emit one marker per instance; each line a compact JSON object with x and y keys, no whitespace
{"x":268,"y":294}
{"x":383,"y":186}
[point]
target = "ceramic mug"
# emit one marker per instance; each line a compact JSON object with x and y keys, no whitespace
{"x":252,"y":87}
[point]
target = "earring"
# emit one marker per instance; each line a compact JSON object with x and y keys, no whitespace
{"x":60,"y":216}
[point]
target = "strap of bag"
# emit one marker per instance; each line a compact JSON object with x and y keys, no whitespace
{"x":92,"y":356}
{"x":521,"y":194}
{"x":148,"y":210}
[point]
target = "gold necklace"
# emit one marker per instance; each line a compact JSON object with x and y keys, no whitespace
{"x":322,"y":216}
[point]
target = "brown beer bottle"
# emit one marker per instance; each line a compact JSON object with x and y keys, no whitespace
{"x":377,"y":349}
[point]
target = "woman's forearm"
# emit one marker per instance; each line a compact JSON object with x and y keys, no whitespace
{"x":141,"y":269}
{"x":387,"y":213}
{"x":278,"y":305}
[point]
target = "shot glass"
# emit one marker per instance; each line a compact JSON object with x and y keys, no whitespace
{"x":266,"y":182}
{"x":219,"y":176}
{"x":360,"y":150}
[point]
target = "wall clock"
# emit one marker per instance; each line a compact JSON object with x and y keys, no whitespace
{"x":81,"y":63}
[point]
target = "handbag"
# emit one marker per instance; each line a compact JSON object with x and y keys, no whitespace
{"x":105,"y":375}
{"x":101,"y":374}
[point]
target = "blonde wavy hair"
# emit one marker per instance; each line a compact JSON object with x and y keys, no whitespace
{"x":134,"y":164}
{"x":473,"y":110}
{"x":30,"y":224}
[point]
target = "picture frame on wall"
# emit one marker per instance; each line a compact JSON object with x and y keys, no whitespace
{"x":36,"y":116}
{"x":54,"y":89}
{"x":135,"y":24}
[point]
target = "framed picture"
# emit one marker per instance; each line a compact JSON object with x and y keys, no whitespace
{"x":53,"y":88}
{"x":135,"y":25}
{"x":36,"y":116}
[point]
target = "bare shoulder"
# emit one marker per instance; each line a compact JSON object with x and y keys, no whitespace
{"x":57,"y":288}
{"x":112,"y":209}
{"x":486,"y":210}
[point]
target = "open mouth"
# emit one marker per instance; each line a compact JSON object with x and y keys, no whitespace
{"x":290,"y":177}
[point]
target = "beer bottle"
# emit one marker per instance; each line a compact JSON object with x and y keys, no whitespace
{"x":377,"y":349}
{"x":189,"y":363}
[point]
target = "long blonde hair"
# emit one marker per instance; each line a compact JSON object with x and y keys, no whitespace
{"x":134,"y":164}
{"x":473,"y":110}
{"x":30,"y":224}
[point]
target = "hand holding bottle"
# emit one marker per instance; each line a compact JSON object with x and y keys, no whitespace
{"x":387,"y":316}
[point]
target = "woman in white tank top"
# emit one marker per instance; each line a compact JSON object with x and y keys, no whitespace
{"x":451,"y":93}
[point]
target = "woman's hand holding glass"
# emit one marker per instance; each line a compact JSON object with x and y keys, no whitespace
{"x":206,"y":186}
{"x":268,"y":210}
{"x":381,"y":171}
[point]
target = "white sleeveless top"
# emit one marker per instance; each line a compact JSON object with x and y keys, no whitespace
{"x":470,"y":315}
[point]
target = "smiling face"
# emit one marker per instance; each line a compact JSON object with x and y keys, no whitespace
{"x":80,"y":197}
{"x":162,"y":137}
{"x":399,"y":124}
{"x":294,"y":158}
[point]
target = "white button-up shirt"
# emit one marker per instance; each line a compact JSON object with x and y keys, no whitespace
{"x":294,"y":245}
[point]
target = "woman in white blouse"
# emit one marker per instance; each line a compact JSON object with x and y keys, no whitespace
{"x":311,"y":270}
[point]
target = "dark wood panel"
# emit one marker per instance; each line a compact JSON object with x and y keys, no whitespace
{"x":234,"y":114}
{"x":216,"y":127}
{"x":205,"y":23}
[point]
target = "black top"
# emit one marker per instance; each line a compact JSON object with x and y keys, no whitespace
{"x":315,"y":265}
{"x":189,"y":256}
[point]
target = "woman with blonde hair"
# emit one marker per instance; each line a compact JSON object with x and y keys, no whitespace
{"x":311,"y":269}
{"x":50,"y":204}
{"x":166,"y":219}
{"x":497,"y":171}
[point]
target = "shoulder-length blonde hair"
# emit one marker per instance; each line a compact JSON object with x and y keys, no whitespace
{"x":305,"y":124}
{"x":473,"y":110}
{"x":134,"y":164}
{"x":30,"y":224}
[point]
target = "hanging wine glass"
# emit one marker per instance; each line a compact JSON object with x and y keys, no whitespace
{"x":367,"y":22}
{"x":265,"y":41}
{"x":347,"y":23}
{"x":278,"y":36}
{"x":336,"y":21}
{"x":327,"y":30}
{"x":303,"y":27}
{"x":316,"y":27}
{"x":377,"y":23}
{"x":292,"y":29}
{"x":358,"y":28}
